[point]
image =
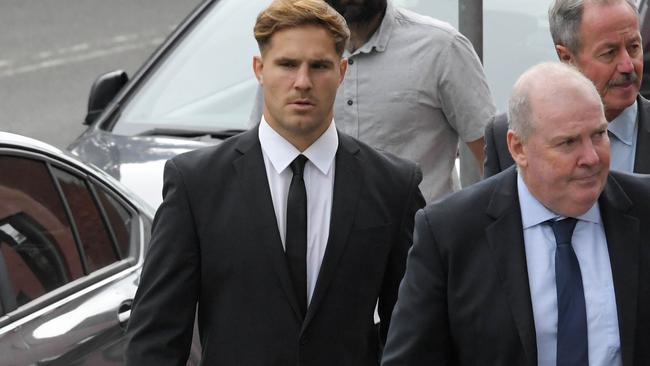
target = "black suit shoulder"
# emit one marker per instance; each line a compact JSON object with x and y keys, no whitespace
{"x":636,"y":188}
{"x":221,"y":156}
{"x":474,"y":198}
{"x":383,"y":165}
{"x":642,"y":154}
{"x":497,"y":156}
{"x":207,"y":158}
{"x":461,"y":218}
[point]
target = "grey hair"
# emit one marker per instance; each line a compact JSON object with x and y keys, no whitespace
{"x":521,"y":117}
{"x":565,"y":17}
{"x":520,"y":112}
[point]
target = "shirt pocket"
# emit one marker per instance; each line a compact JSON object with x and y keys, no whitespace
{"x":392,"y":118}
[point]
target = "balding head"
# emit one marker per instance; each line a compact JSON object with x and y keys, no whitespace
{"x":558,"y":137}
{"x":545,"y":82}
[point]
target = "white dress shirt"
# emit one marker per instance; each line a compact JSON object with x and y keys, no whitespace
{"x":622,"y":136}
{"x":319,"y":183}
{"x":590,"y":245}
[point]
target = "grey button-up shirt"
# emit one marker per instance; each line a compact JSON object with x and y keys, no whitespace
{"x":413,"y":89}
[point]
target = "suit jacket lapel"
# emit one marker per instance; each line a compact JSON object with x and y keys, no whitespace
{"x":252,"y":177}
{"x":642,"y":154}
{"x":622,"y":232}
{"x":506,"y":241}
{"x":347,"y":189}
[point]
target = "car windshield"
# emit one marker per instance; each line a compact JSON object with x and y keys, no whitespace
{"x":206,"y":84}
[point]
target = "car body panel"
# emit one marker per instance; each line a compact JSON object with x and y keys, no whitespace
{"x":137,"y":161}
{"x":83,"y":321}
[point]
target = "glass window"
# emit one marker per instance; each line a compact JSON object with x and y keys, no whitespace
{"x":96,"y":242}
{"x":36,"y":243}
{"x":120,"y":219}
{"x":207,"y":82}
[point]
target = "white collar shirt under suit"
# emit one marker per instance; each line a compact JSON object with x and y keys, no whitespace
{"x":278,"y":154}
{"x":590,"y":246}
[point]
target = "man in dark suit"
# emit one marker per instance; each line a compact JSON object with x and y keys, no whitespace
{"x":286,"y":236}
{"x":545,"y":264}
{"x":602,"y":40}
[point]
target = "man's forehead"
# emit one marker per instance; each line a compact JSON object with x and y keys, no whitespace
{"x":601,"y":11}
{"x":299,"y":36}
{"x":552,"y":101}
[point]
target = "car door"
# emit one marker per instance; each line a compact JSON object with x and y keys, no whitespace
{"x":69,"y":263}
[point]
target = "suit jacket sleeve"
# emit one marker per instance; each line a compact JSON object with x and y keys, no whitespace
{"x":491,"y":166}
{"x":419,"y":333}
{"x":397,"y":258}
{"x":160,"y":329}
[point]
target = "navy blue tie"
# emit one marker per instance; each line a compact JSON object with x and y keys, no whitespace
{"x":296,"y":234}
{"x":572,"y":347}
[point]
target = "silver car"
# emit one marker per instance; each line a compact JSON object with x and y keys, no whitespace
{"x":72,"y":241}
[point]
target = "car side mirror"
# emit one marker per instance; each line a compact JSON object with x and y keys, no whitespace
{"x":104,"y":89}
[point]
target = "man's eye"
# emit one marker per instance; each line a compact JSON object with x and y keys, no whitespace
{"x":609,"y":53}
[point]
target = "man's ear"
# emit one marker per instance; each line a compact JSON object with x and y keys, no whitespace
{"x":343,"y":68}
{"x":516,"y":148}
{"x":564,"y":54}
{"x":258,"y":65}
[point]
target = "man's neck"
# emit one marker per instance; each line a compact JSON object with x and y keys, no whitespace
{"x":360,"y":33}
{"x":610,"y":115}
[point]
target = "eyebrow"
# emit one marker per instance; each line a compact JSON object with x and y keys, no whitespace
{"x":614,"y":44}
{"x":312,"y":61}
{"x":323,"y":61}
{"x":285,"y":59}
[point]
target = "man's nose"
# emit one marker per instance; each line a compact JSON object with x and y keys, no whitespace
{"x":625,"y":65}
{"x":589,"y":155}
{"x":303,"y":79}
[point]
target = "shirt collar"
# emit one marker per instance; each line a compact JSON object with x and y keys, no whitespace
{"x":534,"y":212}
{"x":623,"y":125}
{"x":281,"y":152}
{"x":379,"y":39}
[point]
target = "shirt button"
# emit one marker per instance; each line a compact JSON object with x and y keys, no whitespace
{"x":350,"y":102}
{"x":351,"y":61}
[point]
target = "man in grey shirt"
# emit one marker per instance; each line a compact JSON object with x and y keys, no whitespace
{"x":414,"y":86}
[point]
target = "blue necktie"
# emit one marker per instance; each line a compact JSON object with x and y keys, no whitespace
{"x":296,"y":234}
{"x":571,"y":311}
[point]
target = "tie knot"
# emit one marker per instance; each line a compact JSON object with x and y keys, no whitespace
{"x":563,"y":230}
{"x":298,"y":165}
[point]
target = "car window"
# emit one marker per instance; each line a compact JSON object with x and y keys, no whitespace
{"x":98,"y":248}
{"x":207,"y":82}
{"x":120,"y":220}
{"x":37,"y":246}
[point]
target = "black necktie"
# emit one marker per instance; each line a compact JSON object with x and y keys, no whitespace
{"x":296,"y":238}
{"x":571,"y":311}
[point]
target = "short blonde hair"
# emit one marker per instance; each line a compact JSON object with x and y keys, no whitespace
{"x":283,"y":14}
